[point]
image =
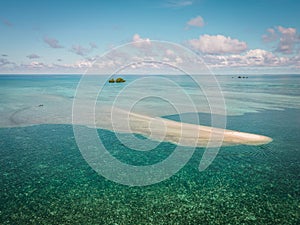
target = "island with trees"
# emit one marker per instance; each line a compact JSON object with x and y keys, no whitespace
{"x":118,"y":80}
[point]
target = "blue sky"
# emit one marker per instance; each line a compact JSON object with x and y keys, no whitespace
{"x":43,"y":36}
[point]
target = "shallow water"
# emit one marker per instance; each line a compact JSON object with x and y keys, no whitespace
{"x":45,"y":180}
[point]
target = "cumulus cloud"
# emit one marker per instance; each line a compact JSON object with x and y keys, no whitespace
{"x":195,"y":22}
{"x":80,"y":64}
{"x":137,"y":38}
{"x":35,"y":64}
{"x":141,"y":42}
{"x":217,"y":44}
{"x":52,"y":42}
{"x":287,"y":31}
{"x":33,"y":56}
{"x":40,"y":67}
{"x":255,"y":58}
{"x":169,"y":52}
{"x":286,"y":39}
{"x":252,"y":58}
{"x":260,"y":57}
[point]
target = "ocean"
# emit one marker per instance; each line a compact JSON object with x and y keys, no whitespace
{"x":46,"y":179}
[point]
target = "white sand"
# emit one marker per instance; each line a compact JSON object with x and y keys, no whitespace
{"x":181,"y":133}
{"x":118,"y":120}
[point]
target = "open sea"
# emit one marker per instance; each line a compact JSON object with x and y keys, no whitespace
{"x":44,"y":179}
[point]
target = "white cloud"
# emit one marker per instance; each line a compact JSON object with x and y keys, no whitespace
{"x":35,"y":64}
{"x":141,"y":42}
{"x":169,"y":52}
{"x":256,"y":58}
{"x":252,"y":58}
{"x":82,"y":64}
{"x":137,"y":38}
{"x":259,"y":57}
{"x":217,"y":44}
{"x":287,"y":31}
{"x":196,"y":22}
{"x":286,"y":39}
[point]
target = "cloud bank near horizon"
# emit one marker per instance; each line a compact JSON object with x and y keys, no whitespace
{"x":71,"y":41}
{"x":217,"y":51}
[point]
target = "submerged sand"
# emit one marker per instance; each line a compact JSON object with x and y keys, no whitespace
{"x":119,"y":120}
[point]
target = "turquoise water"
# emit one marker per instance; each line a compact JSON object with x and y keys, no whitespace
{"x":45,"y":180}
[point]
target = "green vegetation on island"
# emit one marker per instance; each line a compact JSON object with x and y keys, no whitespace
{"x":118,"y":80}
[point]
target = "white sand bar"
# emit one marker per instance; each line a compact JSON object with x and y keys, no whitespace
{"x":180,"y":133}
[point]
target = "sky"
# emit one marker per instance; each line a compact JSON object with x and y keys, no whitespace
{"x":232,"y":36}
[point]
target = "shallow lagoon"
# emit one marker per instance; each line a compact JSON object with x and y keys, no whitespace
{"x":44,"y":178}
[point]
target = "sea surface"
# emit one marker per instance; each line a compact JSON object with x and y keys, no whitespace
{"x":44,"y":179}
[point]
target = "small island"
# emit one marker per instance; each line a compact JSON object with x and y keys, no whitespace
{"x":241,"y":77}
{"x":118,"y":80}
